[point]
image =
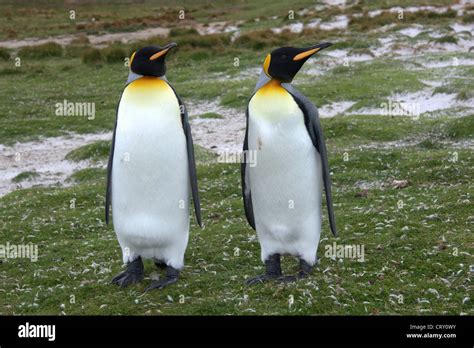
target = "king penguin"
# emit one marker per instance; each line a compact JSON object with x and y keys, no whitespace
{"x":282,"y":192}
{"x":151,"y":171}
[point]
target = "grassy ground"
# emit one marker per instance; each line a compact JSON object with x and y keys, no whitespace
{"x":418,"y":240}
{"x":409,"y":250}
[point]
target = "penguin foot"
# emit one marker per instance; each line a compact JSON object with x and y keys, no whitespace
{"x":133,"y":274}
{"x":288,"y":279}
{"x":160,"y":264}
{"x":304,"y":271}
{"x":172,"y":276}
{"x":273,"y":271}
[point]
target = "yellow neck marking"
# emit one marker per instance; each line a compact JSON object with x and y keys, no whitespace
{"x":148,"y":89}
{"x":272,"y":103}
{"x":271,"y":87}
{"x":148,"y":82}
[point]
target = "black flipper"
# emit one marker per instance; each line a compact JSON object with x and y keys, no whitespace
{"x":191,"y":160}
{"x":108,"y":190}
{"x":311,"y":120}
{"x":246,"y":194}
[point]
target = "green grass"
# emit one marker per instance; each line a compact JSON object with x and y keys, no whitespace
{"x":46,"y":50}
{"x":52,"y":18}
{"x":210,"y":115}
{"x":25,"y":176}
{"x":94,"y":152}
{"x":460,"y":84}
{"x":4,"y":54}
{"x":367,"y":83}
{"x":406,"y":253}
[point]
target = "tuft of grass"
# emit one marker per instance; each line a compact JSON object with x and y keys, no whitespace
{"x":10,"y":71}
{"x":260,"y":39}
{"x":468,"y":18}
{"x":214,"y":42}
{"x":94,"y":152}
{"x":203,"y":155}
{"x":430,"y":144}
{"x":460,"y":128}
{"x":362,"y":129}
{"x":200,"y":54}
{"x":114,"y":54}
{"x":210,"y":115}
{"x":47,"y":50}
{"x":25,"y":176}
{"x":4,"y":53}
{"x":365,"y":22}
{"x":92,"y":56}
{"x":88,"y":175}
{"x":182,"y":32}
{"x":447,"y":39}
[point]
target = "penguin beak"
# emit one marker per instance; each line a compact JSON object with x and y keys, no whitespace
{"x":309,"y":51}
{"x":163,"y":51}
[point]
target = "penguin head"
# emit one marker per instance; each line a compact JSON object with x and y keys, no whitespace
{"x":283,"y":63}
{"x":150,"y":60}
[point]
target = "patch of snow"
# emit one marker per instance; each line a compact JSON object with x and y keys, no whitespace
{"x":335,"y":2}
{"x":343,"y":56}
{"x":375,"y":13}
{"x":45,"y":157}
{"x":333,"y":109}
{"x":313,"y":23}
{"x":432,"y":83}
{"x":436,"y":34}
{"x":95,"y":40}
{"x":217,"y":27}
{"x":336,"y":53}
{"x":294,"y":28}
{"x":412,"y":31}
{"x":424,"y":101}
{"x":339,"y":22}
{"x":414,"y":9}
{"x":226,"y":134}
{"x":386,"y":40}
{"x":448,"y":63}
{"x":303,"y":12}
{"x":384,"y":28}
{"x":359,"y":57}
{"x":457,"y":27}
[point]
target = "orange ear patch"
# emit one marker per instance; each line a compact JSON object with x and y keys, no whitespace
{"x":131,"y":58}
{"x":266,"y":64}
